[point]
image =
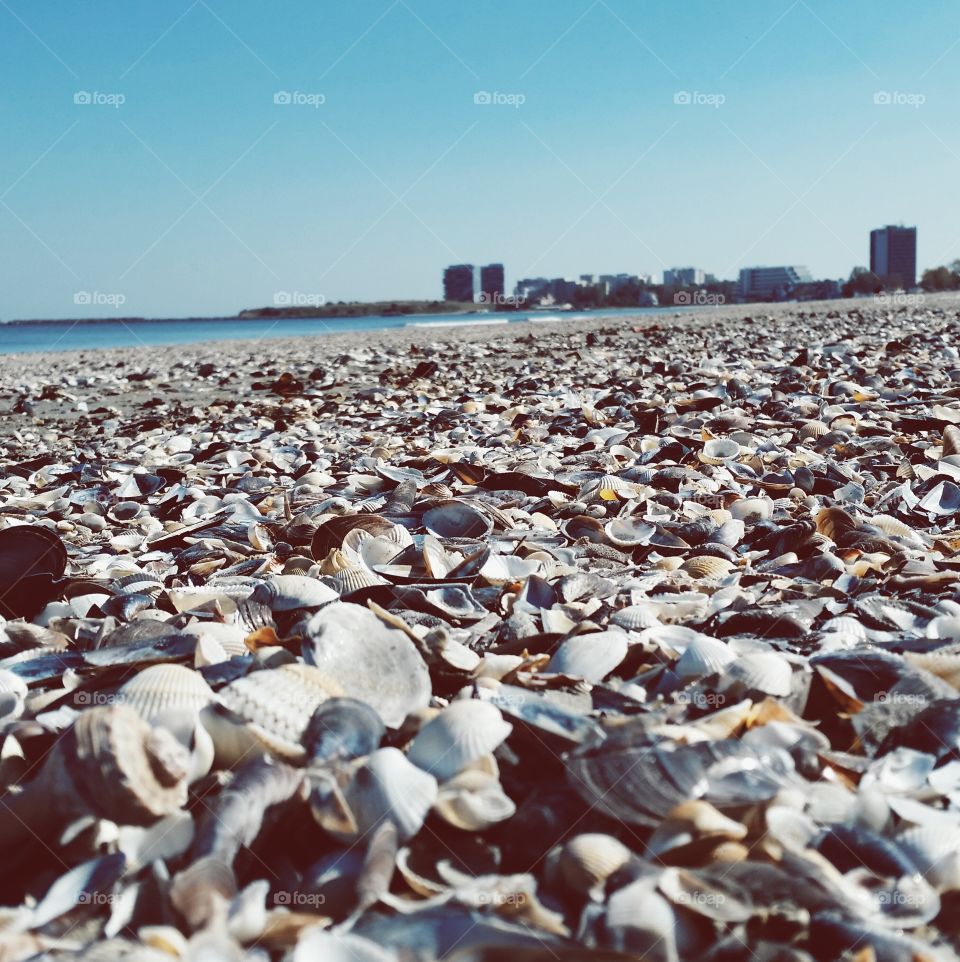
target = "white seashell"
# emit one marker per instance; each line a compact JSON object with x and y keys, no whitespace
{"x":290,"y":592}
{"x":474,"y":801}
{"x":935,"y":850}
{"x":629,"y":532}
{"x":752,"y":509}
{"x":460,"y":734}
{"x":590,"y":656}
{"x":389,"y":786}
{"x":166,"y":688}
{"x":702,"y":657}
{"x":719,"y":451}
{"x":587,"y":861}
{"x":634,"y":618}
{"x":763,"y":671}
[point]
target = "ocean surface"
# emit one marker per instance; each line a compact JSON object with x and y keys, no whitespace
{"x":89,"y":335}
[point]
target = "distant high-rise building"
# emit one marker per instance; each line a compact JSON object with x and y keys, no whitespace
{"x":686,"y":276}
{"x":459,"y":283}
{"x":491,"y":283}
{"x":893,"y":253}
{"x":764,"y":283}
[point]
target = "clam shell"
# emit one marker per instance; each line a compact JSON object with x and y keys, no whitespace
{"x":951,"y":440}
{"x":166,"y":688}
{"x":935,"y":850}
{"x":460,"y":734}
{"x":588,"y":860}
{"x":389,"y":786}
{"x":348,"y":580}
{"x":332,"y":532}
{"x":590,"y":656}
{"x":707,"y":567}
{"x":704,"y":656}
{"x":372,"y":661}
{"x":629,"y":532}
{"x":279,"y":703}
{"x":813,"y":429}
{"x":634,"y":618}
{"x":342,"y":729}
{"x":456,"y":519}
{"x":752,"y":509}
{"x":290,"y":592}
{"x":763,"y":671}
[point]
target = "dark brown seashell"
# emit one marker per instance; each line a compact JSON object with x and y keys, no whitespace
{"x":32,"y":559}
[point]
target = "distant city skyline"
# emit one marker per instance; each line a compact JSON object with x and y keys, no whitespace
{"x":198,"y":158}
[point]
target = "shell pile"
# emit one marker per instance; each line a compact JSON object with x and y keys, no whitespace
{"x":588,"y":643}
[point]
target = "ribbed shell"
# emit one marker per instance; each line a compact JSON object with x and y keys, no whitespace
{"x":634,"y":618}
{"x":590,"y":656}
{"x":704,"y":656}
{"x":354,"y":579}
{"x":281,"y":701}
{"x":707,"y":567}
{"x":460,"y":734}
{"x":813,"y":429}
{"x":588,"y":860}
{"x":763,"y":671}
{"x":391,"y":787}
{"x":331,"y":533}
{"x":935,"y":850}
{"x":165,"y":688}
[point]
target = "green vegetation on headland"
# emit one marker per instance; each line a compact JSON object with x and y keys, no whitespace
{"x":361,"y":309}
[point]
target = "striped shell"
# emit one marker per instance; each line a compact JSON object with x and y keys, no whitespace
{"x":166,"y":688}
{"x":703,"y":656}
{"x":351,"y":579}
{"x":463,"y":732}
{"x":763,"y":671}
{"x":813,"y":429}
{"x":587,"y":861}
{"x":634,"y":618}
{"x":590,"y":656}
{"x":279,"y":703}
{"x":707,"y":566}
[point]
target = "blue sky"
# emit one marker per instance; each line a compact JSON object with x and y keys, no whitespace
{"x":199,"y":195}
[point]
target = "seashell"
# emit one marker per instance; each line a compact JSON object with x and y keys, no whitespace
{"x":290,"y":592}
{"x":587,"y":861}
{"x":366,"y":657}
{"x":456,"y":519}
{"x":751,"y":510}
{"x":813,"y":430}
{"x":707,"y":567}
{"x":634,"y":618}
{"x":641,"y":923}
{"x":348,"y":580}
{"x":762,"y":671}
{"x":629,"y":532}
{"x":951,"y":440}
{"x":342,"y":729}
{"x":390,"y":787}
{"x":692,"y":828}
{"x":331,"y":533}
{"x":935,"y":851}
{"x":278,"y":704}
{"x":583,"y":526}
{"x":590,"y":656}
{"x":460,"y":734}
{"x":704,"y":656}
{"x":473,"y":801}
{"x":32,"y":558}
{"x":719,"y":451}
{"x":159,"y":689}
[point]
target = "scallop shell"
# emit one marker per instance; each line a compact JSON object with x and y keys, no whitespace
{"x":389,"y":786}
{"x":587,"y":861}
{"x":707,"y":567}
{"x":591,"y":656}
{"x":460,"y":734}
{"x":719,"y":451}
{"x":347,"y":580}
{"x":456,"y":519}
{"x":474,"y":801}
{"x":634,"y":618}
{"x":813,"y":429}
{"x":763,"y":671}
{"x":704,"y":656}
{"x":279,"y":703}
{"x":166,"y":688}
